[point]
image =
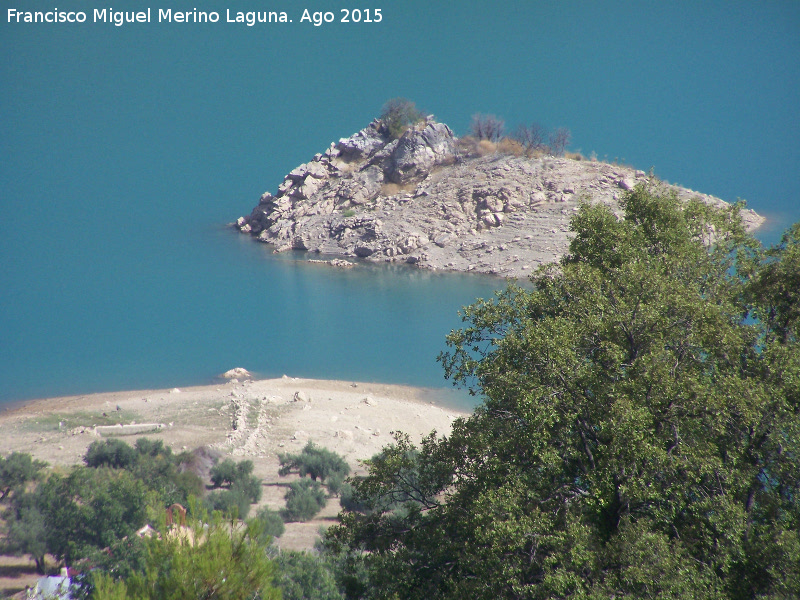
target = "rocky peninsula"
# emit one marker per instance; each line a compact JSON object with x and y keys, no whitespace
{"x":436,"y":201}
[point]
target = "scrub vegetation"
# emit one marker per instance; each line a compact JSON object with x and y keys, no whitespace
{"x":488,"y":135}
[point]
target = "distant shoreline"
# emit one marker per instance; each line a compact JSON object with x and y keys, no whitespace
{"x":354,"y":417}
{"x":445,"y":395}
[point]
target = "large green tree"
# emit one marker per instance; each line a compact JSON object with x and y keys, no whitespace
{"x":16,"y":471}
{"x":639,"y":434}
{"x":316,"y":462}
{"x":89,"y":509}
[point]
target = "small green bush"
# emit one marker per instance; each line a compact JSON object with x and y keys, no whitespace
{"x":271,"y":523}
{"x":231,"y":503}
{"x":399,"y":114}
{"x":249,"y":487}
{"x":153,"y":448}
{"x":110,"y":453}
{"x":243,"y":487}
{"x":334,"y":483}
{"x":348,"y":212}
{"x":304,"y":500}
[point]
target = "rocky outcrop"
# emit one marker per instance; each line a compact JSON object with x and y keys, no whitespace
{"x":423,"y":200}
{"x":236,"y":373}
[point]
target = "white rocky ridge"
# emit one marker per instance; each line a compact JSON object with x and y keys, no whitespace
{"x":431,"y":200}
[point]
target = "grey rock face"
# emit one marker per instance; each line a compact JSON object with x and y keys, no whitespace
{"x":418,"y":151}
{"x":417,"y":200}
{"x":362,"y":144}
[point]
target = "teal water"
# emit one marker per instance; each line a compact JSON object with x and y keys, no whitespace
{"x":125,"y":150}
{"x":191,"y":305}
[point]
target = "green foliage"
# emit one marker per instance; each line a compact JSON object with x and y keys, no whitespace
{"x":25,"y":532}
{"x":249,"y":487}
{"x":89,"y":509}
{"x":152,"y":448}
{"x":306,"y":576}
{"x":151,"y":462}
{"x":171,"y":485}
{"x":348,"y":212}
{"x":398,"y":114}
{"x":110,"y":453}
{"x":639,"y":434}
{"x":221,"y":559}
{"x":317,"y":463}
{"x":349,"y":500}
{"x":120,"y":560}
{"x":228,"y":472}
{"x":244,"y":488}
{"x":232,"y":503}
{"x":335,"y":483}
{"x":16,"y":470}
{"x":271,"y":523}
{"x":304,"y":500}
{"x":774,"y":293}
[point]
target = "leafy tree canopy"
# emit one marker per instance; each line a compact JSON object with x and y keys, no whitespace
{"x":306,"y":576}
{"x":216,"y":559}
{"x":89,"y":509}
{"x":271,"y":523}
{"x":16,"y":470}
{"x":639,"y":434}
{"x":113,"y":453}
{"x":317,"y":463}
{"x":151,"y":462}
{"x":228,"y":472}
{"x":304,"y":499}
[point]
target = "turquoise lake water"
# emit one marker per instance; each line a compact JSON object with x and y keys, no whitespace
{"x":186,"y":308}
{"x":124,"y":151}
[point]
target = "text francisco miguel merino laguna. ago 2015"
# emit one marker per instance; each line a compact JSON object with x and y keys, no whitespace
{"x":169,"y":15}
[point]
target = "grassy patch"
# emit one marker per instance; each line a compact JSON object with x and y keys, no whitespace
{"x":67,"y":421}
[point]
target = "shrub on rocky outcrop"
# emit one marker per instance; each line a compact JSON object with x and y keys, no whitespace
{"x":487,"y":127}
{"x":559,"y":140}
{"x":398,"y":114}
{"x":510,"y":146}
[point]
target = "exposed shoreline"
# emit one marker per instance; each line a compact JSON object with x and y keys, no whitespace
{"x":59,"y":429}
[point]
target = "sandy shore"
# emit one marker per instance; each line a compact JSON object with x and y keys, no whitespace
{"x":248,"y":419}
